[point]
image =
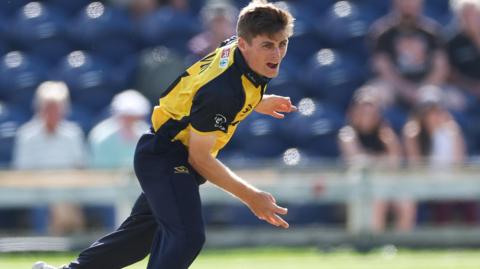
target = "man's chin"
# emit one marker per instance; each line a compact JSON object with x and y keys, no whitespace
{"x":272,"y":74}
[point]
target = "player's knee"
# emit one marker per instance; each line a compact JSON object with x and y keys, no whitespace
{"x":199,"y":239}
{"x":191,"y":242}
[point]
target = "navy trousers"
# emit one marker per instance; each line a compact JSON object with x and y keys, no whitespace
{"x":166,"y":220}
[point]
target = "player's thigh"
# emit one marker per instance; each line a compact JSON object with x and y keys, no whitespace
{"x":171,"y":189}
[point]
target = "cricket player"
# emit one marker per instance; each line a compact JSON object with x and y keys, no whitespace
{"x":196,"y":117}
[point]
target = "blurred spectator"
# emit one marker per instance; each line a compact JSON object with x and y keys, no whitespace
{"x":407,"y":52}
{"x":140,"y":8}
{"x":112,"y":141}
{"x":463,"y":45}
{"x":48,"y":141}
{"x":176,"y":4}
{"x":112,"y":144}
{"x":433,"y":138}
{"x":369,"y":140}
{"x":219,"y":19}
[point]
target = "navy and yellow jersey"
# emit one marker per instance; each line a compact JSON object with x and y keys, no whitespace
{"x":211,"y":96}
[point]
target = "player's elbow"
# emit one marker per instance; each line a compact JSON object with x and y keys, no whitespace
{"x":196,"y":159}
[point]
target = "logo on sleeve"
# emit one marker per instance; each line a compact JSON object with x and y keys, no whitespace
{"x":220,"y":122}
{"x":224,"y":58}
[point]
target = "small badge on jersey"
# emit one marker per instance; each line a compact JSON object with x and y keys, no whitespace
{"x":220,"y":122}
{"x":224,"y":58}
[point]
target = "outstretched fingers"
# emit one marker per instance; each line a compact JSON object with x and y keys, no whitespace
{"x":276,"y":220}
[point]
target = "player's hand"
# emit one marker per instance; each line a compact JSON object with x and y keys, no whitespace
{"x":264,"y":206}
{"x":275,"y":105}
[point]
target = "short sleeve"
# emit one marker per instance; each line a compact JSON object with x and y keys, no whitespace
{"x":212,"y":110}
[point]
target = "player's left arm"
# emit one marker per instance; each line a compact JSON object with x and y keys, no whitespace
{"x":261,"y":203}
{"x":275,"y":106}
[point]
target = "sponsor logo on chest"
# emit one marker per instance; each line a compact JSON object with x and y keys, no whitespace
{"x":224,"y":58}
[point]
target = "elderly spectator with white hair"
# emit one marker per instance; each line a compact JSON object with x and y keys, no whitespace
{"x":112,"y":141}
{"x":48,"y":141}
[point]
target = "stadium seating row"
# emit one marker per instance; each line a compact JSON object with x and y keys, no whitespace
{"x":96,"y":48}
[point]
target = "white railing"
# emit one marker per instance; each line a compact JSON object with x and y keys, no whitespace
{"x":357,"y":189}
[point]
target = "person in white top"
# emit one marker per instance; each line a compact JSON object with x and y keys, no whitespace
{"x":112,"y":141}
{"x":48,"y":141}
{"x":434,"y":139}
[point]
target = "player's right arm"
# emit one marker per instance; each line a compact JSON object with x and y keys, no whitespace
{"x":262,"y":204}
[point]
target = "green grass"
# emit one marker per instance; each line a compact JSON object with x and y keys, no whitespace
{"x":257,"y":258}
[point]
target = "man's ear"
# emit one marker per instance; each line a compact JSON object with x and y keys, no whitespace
{"x":242,"y":44}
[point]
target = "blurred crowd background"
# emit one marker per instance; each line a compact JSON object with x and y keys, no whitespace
{"x":379,"y":83}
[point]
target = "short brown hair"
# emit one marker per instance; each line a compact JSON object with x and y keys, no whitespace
{"x":260,"y":17}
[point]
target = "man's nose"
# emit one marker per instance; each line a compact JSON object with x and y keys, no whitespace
{"x":276,"y":53}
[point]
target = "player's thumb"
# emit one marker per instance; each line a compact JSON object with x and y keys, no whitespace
{"x":281,"y":210}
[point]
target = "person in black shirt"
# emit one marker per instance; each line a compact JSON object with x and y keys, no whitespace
{"x":407,"y":52}
{"x":368,"y":140}
{"x":463,"y":46}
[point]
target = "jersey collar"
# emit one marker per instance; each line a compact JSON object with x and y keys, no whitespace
{"x":255,"y":78}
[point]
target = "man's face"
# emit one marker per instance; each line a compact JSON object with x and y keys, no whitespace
{"x":52,"y":114}
{"x":264,"y":53}
{"x":410,"y":8}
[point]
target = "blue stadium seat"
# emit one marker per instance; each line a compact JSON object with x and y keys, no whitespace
{"x":376,"y":8}
{"x":168,"y":27}
{"x":104,"y":30}
{"x":82,"y":116}
{"x":257,"y":137}
{"x":3,"y":47}
{"x":10,"y":7}
{"x":333,"y":76}
{"x":305,"y":40}
{"x":314,"y":128}
{"x":344,"y":23}
{"x":285,"y":84}
{"x":124,"y":72}
{"x":303,"y":44}
{"x":10,"y":119}
{"x":4,"y":34}
{"x":69,"y":7}
{"x":438,"y":10}
{"x":239,"y":3}
{"x":320,"y":7}
{"x":20,"y":74}
{"x":196,"y":5}
{"x":88,"y":78}
{"x":40,"y":30}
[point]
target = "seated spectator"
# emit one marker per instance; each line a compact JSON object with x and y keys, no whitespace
{"x":112,"y":141}
{"x":140,"y":8}
{"x":48,"y":141}
{"x":433,"y":138}
{"x":463,"y":46}
{"x":218,"y":19}
{"x":407,"y":52}
{"x":369,"y":140}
